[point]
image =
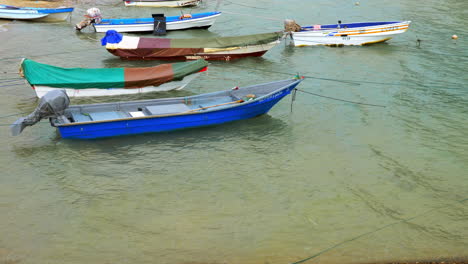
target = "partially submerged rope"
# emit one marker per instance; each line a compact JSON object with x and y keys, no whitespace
{"x":234,"y":3}
{"x":337,"y":99}
{"x":374,"y":231}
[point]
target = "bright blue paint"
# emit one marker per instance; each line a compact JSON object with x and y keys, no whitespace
{"x":40,"y":9}
{"x":131,"y":21}
{"x":53,"y":11}
{"x":159,"y":124}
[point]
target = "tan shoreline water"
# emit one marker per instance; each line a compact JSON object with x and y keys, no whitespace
{"x":337,"y":182}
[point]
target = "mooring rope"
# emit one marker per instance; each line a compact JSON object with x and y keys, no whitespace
{"x":17,"y":114}
{"x":374,"y":231}
{"x":11,"y":84}
{"x":337,"y":99}
{"x":359,"y":82}
{"x":7,"y":80}
{"x":239,"y":4}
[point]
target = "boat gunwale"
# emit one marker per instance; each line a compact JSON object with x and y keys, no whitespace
{"x":175,"y":98}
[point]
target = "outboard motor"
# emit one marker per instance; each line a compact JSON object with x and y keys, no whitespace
{"x":52,"y":104}
{"x":93,"y":15}
{"x":291,"y":26}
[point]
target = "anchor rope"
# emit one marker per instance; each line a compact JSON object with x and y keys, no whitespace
{"x":338,"y":99}
{"x":17,"y":114}
{"x":7,"y":80}
{"x":376,"y":230}
{"x":239,"y":4}
{"x":11,"y":84}
{"x":358,"y":82}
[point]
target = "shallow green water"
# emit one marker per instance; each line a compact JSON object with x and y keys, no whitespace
{"x":333,"y":181}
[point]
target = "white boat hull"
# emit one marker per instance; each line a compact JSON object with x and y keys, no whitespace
{"x":173,"y":85}
{"x":20,"y":14}
{"x":147,"y":27}
{"x":181,"y":3}
{"x":351,"y":36}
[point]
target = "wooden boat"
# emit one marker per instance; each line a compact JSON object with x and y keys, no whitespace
{"x":30,"y":13}
{"x":348,"y":34}
{"x":162,"y":3}
{"x":156,"y":115}
{"x":81,"y":82}
{"x":218,"y":48}
{"x":200,"y":20}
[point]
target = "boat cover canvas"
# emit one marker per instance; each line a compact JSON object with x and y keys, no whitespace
{"x":81,"y":78}
{"x":193,"y":43}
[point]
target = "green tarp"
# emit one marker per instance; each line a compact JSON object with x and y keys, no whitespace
{"x":80,"y":78}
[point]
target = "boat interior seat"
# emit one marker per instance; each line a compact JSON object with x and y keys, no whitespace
{"x":99,"y":116}
{"x":166,"y":109}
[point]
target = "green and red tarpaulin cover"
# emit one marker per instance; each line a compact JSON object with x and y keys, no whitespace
{"x":81,"y":78}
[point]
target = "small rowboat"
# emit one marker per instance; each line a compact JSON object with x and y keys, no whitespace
{"x":157,"y":115}
{"x":29,"y":13}
{"x":162,"y":3}
{"x":81,"y":82}
{"x":348,"y":34}
{"x":200,"y":20}
{"x":218,"y":48}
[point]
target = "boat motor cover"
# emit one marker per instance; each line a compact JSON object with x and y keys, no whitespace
{"x":52,"y":104}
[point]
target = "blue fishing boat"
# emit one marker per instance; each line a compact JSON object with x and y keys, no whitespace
{"x":30,"y":13}
{"x":157,"y":115}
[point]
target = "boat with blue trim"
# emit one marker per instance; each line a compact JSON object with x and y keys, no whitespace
{"x":157,"y":115}
{"x":33,"y":13}
{"x":198,"y":20}
{"x":347,"y":33}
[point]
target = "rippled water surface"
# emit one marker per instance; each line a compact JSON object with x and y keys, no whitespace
{"x":331,"y":182}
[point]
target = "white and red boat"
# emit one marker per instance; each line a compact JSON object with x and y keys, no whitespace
{"x":348,"y":34}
